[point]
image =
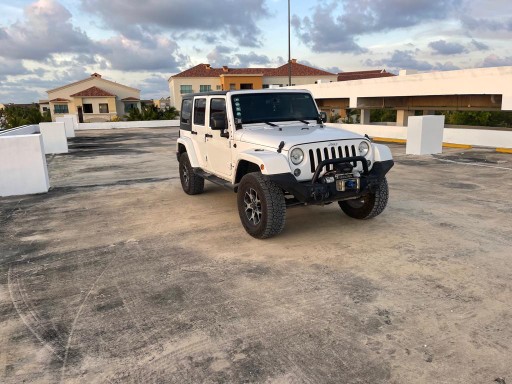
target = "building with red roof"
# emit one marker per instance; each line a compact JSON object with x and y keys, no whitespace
{"x":93,"y":99}
{"x":205,"y":78}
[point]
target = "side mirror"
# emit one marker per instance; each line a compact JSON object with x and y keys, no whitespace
{"x":218,"y":121}
{"x":322,"y":117}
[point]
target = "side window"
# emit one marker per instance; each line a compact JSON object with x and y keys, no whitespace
{"x":186,"y":114}
{"x":199,"y":111}
{"x":218,"y":106}
{"x":218,"y":109}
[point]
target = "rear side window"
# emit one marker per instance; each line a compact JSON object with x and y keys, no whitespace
{"x":199,"y":111}
{"x":186,"y":115}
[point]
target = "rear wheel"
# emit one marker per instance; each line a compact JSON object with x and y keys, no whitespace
{"x":191,"y":183}
{"x":369,"y":205}
{"x":261,"y":206}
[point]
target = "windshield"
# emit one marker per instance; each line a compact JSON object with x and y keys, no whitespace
{"x":266,"y":107}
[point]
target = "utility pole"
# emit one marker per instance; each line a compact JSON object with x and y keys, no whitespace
{"x":289,"y":49}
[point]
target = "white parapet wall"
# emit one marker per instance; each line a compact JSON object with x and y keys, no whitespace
{"x":54,"y":137}
{"x":478,"y":137}
{"x":466,"y":136}
{"x":69,"y":123}
{"x":129,"y":124}
{"x":23,"y":168}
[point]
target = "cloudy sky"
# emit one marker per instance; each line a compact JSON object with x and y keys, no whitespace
{"x":48,"y":43}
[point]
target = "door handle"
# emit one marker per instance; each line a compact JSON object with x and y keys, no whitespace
{"x":208,"y":135}
{"x":193,"y":132}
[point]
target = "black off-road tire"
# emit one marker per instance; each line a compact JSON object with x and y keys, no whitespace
{"x":257,"y":191}
{"x":368,"y":206}
{"x":191,"y":183}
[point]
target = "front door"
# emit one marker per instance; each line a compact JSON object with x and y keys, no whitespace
{"x":219,"y":149}
{"x":80,"y":115}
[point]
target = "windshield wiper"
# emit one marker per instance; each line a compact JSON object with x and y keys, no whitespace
{"x":304,"y":121}
{"x":271,"y":124}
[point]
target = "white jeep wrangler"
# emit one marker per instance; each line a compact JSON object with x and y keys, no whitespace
{"x":272,"y":149}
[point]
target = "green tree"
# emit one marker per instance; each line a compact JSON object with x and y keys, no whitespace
{"x":479,"y":118}
{"x":13,"y":116}
{"x":169,"y":113}
{"x":382,"y":115}
{"x":151,"y":112}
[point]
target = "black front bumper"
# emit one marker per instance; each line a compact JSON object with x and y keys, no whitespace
{"x":315,"y":192}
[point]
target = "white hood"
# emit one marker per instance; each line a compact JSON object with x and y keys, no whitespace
{"x":291,"y":134}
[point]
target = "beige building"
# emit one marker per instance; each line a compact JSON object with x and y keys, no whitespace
{"x":44,"y":106}
{"x":93,"y":99}
{"x":204,"y":78}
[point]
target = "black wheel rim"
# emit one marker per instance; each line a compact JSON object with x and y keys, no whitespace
{"x":252,"y":204}
{"x":185,"y":175}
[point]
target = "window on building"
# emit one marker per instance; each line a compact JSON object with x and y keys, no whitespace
{"x":129,"y":106}
{"x":87,"y":108}
{"x":199,"y":111}
{"x":185,"y":89}
{"x":232,"y":86}
{"x":218,"y":87}
{"x":103,"y":108}
{"x":60,"y":108}
{"x":265,"y":86}
{"x":246,"y":86}
{"x":45,"y":109}
{"x":205,"y":88}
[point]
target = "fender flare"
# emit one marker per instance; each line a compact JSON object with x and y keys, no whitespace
{"x":381,"y":153}
{"x":189,"y":146}
{"x":272,"y":162}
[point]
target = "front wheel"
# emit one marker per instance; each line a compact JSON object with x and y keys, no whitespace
{"x":261,"y":206}
{"x":367,"y":206}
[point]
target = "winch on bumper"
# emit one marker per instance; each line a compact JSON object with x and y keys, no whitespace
{"x":341,"y":183}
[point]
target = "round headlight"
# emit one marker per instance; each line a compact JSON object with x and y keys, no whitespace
{"x":297,"y":156}
{"x":364,"y":148}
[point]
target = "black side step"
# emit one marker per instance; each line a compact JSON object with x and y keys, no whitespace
{"x":214,"y":179}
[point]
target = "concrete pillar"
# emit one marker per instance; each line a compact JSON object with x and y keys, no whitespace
{"x":54,"y":137}
{"x":69,"y":123}
{"x":365,"y":116}
{"x":425,"y":135}
{"x":402,"y":117}
{"x":23,"y":169}
{"x":74,"y":116}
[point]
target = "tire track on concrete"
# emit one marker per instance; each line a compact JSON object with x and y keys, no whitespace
{"x":31,"y":320}
{"x":80,"y":309}
{"x":168,"y":361}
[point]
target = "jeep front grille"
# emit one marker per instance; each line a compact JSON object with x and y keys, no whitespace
{"x":327,"y":153}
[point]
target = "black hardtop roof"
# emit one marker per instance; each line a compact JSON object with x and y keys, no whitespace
{"x":210,"y":93}
{"x":238,"y":92}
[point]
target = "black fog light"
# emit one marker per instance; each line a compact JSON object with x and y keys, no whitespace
{"x":297,"y":172}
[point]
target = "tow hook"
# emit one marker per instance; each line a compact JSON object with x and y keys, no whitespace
{"x":319,"y":194}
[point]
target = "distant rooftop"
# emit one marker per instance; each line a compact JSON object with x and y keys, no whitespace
{"x":205,"y":70}
{"x":360,"y":75}
{"x":93,"y":92}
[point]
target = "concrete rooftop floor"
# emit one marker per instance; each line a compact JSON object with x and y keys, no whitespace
{"x":116,"y":275}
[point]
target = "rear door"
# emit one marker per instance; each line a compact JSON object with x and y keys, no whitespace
{"x":199,"y":131}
